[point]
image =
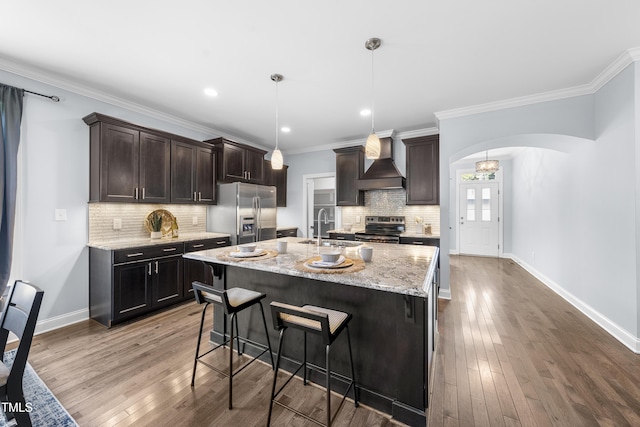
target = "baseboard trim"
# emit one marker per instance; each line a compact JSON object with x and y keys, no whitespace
{"x":444,"y":293}
{"x":61,"y":321}
{"x":625,"y":337}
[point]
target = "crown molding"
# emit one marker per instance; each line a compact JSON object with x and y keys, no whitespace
{"x":58,"y":82}
{"x":624,"y":60}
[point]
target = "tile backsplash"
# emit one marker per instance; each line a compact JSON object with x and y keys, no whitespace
{"x":132,"y":216}
{"x":392,"y":202}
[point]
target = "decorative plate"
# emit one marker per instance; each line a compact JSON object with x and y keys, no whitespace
{"x":309,"y":263}
{"x":256,"y":253}
{"x":167,"y":221}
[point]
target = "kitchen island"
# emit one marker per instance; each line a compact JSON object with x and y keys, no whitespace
{"x":392,"y":299}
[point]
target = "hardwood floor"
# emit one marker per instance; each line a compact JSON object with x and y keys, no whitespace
{"x":139,"y":374}
{"x":513,"y":353}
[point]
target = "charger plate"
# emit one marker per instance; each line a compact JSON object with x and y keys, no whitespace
{"x":353,"y":266}
{"x":167,"y":221}
{"x":266,"y":254}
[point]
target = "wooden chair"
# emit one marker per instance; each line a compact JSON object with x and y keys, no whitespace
{"x":19,"y":317}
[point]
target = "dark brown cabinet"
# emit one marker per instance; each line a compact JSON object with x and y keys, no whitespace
{"x":131,"y":291}
{"x":287,"y":232}
{"x":278,"y":179}
{"x":166,"y":281}
{"x":193,"y":173}
{"x":198,"y":270}
{"x":349,"y":168}
{"x":238,"y":162}
{"x":132,"y":164}
{"x":426,"y":241}
{"x":342,"y":236}
{"x":423,"y":170}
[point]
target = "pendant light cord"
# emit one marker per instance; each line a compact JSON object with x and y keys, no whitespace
{"x":373,"y":102}
{"x":276,"y":114}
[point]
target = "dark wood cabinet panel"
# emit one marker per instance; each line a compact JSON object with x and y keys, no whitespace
{"x":238,"y":162}
{"x":198,"y":270}
{"x":155,"y":162}
{"x":119,"y":167}
{"x":349,"y":168}
{"x":193,"y":177}
{"x":131,"y":290}
{"x":278,"y":179}
{"x":167,"y":281}
{"x":342,"y":236}
{"x":183,"y":165}
{"x":423,"y":170}
{"x":287,"y":232}
{"x":426,"y":241}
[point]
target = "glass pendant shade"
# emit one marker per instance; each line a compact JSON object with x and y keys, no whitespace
{"x":276,"y":159}
{"x":372,"y":147}
{"x":486,"y":165}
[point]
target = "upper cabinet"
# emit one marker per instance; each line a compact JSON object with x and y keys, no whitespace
{"x":193,"y":173}
{"x":277,"y":178}
{"x":238,"y":162}
{"x":349,"y":168}
{"x":134,"y":164}
{"x":423,"y":170}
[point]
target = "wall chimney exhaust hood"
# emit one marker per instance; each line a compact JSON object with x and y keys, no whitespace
{"x":383,"y":173}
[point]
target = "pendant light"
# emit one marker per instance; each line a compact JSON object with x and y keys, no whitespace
{"x":372,"y":147}
{"x":276,"y":156}
{"x":486,"y":165}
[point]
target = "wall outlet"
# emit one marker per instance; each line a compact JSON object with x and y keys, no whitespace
{"x":357,"y":219}
{"x":194,"y":220}
{"x":117,"y":223}
{"x":61,"y":214}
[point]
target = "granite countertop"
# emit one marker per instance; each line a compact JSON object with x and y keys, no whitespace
{"x":414,"y":234}
{"x":402,"y":269}
{"x":137,"y":243}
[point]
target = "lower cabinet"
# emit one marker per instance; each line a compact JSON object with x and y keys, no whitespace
{"x":131,"y":282}
{"x":287,"y":232}
{"x":342,"y":236}
{"x":198,"y":270}
{"x":426,"y":241}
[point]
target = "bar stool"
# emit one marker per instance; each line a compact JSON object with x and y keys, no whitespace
{"x":233,"y":301}
{"x":314,"y":320}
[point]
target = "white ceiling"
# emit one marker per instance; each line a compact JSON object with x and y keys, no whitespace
{"x":436,"y":55}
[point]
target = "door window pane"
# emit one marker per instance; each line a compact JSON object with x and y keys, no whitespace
{"x":486,"y":204}
{"x":471,"y":204}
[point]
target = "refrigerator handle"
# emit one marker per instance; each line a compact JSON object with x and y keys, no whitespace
{"x":259,"y":219}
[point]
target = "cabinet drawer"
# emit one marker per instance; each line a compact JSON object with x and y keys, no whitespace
{"x":201,"y":245}
{"x":288,"y":232}
{"x":426,"y":241}
{"x":146,"y":252}
{"x":342,"y":236}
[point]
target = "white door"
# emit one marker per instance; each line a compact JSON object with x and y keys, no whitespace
{"x":479,"y":219}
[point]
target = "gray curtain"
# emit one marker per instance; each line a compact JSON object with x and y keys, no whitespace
{"x":11,"y":99}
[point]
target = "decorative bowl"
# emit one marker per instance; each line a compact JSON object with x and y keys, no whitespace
{"x":247,"y":247}
{"x":330,"y":256}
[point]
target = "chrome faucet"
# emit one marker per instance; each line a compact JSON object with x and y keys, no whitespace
{"x":326,"y":221}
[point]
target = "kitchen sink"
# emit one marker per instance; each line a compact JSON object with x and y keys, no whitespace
{"x":336,"y":243}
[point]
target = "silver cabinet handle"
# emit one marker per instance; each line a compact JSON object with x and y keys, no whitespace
{"x":417,"y":243}
{"x":142,"y":193}
{"x":135,"y":193}
{"x":169,"y":249}
{"x":199,"y":196}
{"x":221,"y":242}
{"x":195,"y":196}
{"x":136,"y":254}
{"x":156,"y":267}
{"x":249,"y":175}
{"x":198,"y":246}
{"x":149,"y":265}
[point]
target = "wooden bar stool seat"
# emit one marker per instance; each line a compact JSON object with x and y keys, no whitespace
{"x":318,"y":321}
{"x":233,"y":301}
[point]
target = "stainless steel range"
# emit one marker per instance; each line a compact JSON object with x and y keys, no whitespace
{"x":381,"y":229}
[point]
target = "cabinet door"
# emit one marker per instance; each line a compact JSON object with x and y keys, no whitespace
{"x":349,"y":168}
{"x":194,"y":271}
{"x":205,"y":175}
{"x":131,"y":290}
{"x":183,"y":166}
{"x":119,"y":164}
{"x":233,"y":163}
{"x":167,"y":281}
{"x":280,"y":178}
{"x":423,"y":170}
{"x":254,"y":165}
{"x":155,"y":167}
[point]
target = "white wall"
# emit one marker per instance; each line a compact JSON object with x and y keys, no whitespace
{"x":574,"y":206}
{"x":55,"y":175}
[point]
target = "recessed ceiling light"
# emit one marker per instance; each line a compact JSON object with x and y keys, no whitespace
{"x":285,"y":129}
{"x":366,"y":112}
{"x":211,"y":92}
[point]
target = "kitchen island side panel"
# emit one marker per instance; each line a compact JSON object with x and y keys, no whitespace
{"x":387,"y":335}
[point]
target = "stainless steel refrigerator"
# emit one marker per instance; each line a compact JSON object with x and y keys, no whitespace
{"x":245,"y":211}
